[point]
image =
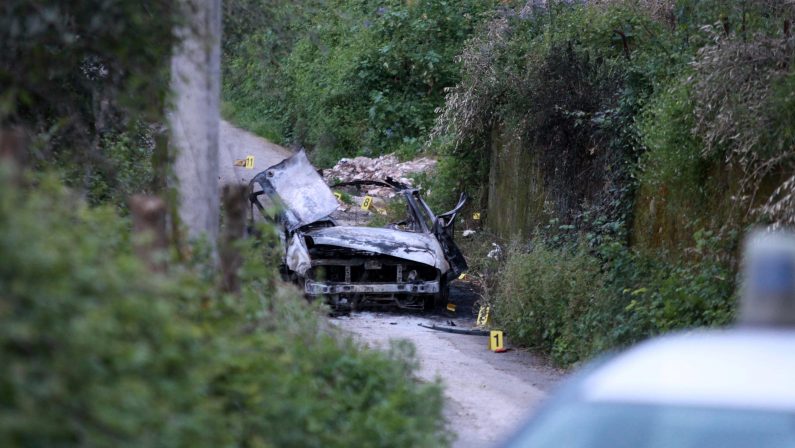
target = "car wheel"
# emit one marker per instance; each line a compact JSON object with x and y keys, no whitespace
{"x":439,"y":299}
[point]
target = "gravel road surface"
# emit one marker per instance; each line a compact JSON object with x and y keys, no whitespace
{"x":488,"y":394}
{"x":236,"y":144}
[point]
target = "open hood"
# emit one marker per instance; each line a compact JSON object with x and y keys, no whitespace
{"x":419,"y":247}
{"x":298,"y":189}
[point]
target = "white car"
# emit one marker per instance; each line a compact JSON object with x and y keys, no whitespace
{"x":721,"y":389}
{"x":732,"y":388}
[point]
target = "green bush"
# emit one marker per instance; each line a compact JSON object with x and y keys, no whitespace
{"x":543,"y":296}
{"x":650,"y":133}
{"x":97,"y":351}
{"x":257,"y":41}
{"x":558,"y":82}
{"x":575,"y":303}
{"x":345,"y":77}
{"x":88,"y":81}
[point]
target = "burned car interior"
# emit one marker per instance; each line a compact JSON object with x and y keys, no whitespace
{"x":409,"y":263}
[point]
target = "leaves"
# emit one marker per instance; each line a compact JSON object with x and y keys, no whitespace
{"x":354,"y":77}
{"x":97,"y":351}
{"x":78,"y":75}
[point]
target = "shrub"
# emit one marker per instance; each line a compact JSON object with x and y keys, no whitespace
{"x":561,"y":83}
{"x":97,"y":351}
{"x":544,"y":296}
{"x":88,"y":80}
{"x":575,"y":303}
{"x":651,"y":133}
{"x":346,"y":77}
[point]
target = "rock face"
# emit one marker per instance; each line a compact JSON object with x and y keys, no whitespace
{"x":366,"y":168}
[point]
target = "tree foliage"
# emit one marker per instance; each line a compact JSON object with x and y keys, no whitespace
{"x":88,"y":80}
{"x":660,"y":131}
{"x":97,"y":351}
{"x":355,"y":76}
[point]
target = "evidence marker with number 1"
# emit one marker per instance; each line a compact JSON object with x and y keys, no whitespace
{"x":497,"y":341}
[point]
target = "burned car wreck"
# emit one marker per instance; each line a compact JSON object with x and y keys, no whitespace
{"x":409,"y":263}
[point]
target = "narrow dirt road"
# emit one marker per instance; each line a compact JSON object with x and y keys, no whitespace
{"x":236,"y":144}
{"x":488,"y":394}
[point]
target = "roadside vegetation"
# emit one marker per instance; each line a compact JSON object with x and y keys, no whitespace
{"x":98,"y":350}
{"x":650,"y":135}
{"x":344,"y":77}
{"x":618,"y":150}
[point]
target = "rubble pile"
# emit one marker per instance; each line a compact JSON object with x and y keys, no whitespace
{"x":366,"y":168}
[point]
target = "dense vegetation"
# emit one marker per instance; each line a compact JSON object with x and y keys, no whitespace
{"x":656,"y":133}
{"x":625,"y":146}
{"x":89,"y":82}
{"x":97,"y":350}
{"x":344,"y":77}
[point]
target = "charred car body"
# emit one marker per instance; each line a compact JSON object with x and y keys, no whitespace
{"x":409,"y":263}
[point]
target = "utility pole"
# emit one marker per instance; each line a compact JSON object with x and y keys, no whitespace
{"x":194,"y":118}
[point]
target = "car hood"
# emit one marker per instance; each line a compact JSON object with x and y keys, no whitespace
{"x":304,"y":197}
{"x":418,"y":247}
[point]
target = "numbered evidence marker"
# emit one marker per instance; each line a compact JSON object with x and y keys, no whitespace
{"x":451,"y":307}
{"x":483,"y":317}
{"x":338,"y":195}
{"x":496,"y":342}
{"x":367,"y":202}
{"x":249,"y":162}
{"x":476,"y":216}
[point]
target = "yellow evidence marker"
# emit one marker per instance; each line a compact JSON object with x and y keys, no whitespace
{"x":496,"y":341}
{"x":367,"y":202}
{"x":451,"y":307}
{"x":249,"y":162}
{"x":338,"y":195}
{"x":483,"y":317}
{"x":462,"y":276}
{"x":476,"y":216}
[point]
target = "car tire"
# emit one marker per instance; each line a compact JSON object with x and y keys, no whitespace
{"x":439,"y":299}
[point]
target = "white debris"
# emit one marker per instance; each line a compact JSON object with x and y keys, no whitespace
{"x":496,"y":252}
{"x":468,"y":232}
{"x":366,"y":168}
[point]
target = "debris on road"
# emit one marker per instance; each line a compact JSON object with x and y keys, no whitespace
{"x":366,"y":168}
{"x":470,"y":331}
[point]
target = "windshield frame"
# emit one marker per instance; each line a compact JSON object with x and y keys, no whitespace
{"x":569,"y":419}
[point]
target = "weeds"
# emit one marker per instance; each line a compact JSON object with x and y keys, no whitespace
{"x":574,"y":301}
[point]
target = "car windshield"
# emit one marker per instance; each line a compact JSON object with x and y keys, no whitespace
{"x":612,"y":425}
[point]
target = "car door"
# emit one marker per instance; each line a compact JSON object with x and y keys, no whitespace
{"x":443,"y":228}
